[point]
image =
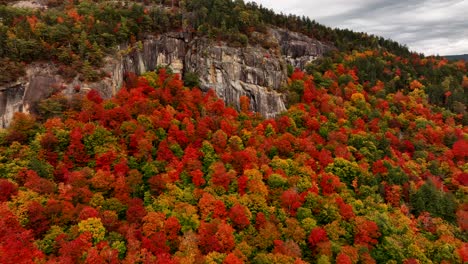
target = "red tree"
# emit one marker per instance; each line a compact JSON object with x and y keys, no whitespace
{"x":367,"y":232}
{"x":238,"y":216}
{"x":38,"y":222}
{"x":94,"y":96}
{"x":197,"y":177}
{"x":291,"y":200}
{"x":317,"y":235}
{"x":215,"y":236}
{"x":7,"y":189}
{"x":136,"y":211}
{"x":232,"y":259}
{"x":329,"y":183}
{"x":220,"y":177}
{"x":343,"y":259}
{"x":16,"y":244}
{"x":460,"y":149}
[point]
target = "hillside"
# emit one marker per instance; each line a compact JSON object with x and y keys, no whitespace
{"x":366,"y":164}
{"x":78,"y":34}
{"x":166,"y":174}
{"x":256,"y":66}
{"x":457,"y":57}
{"x":93,"y":45}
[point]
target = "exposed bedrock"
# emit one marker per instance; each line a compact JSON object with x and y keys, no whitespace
{"x":232,"y":72}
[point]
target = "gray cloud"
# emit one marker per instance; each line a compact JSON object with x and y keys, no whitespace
{"x":425,"y":26}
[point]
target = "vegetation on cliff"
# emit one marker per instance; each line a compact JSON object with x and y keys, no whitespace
{"x":77,"y":34}
{"x":367,"y":165}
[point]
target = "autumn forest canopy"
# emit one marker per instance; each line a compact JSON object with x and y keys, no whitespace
{"x":367,"y":165}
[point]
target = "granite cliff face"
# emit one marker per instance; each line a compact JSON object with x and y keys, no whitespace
{"x":232,"y":72}
{"x":298,"y":49}
{"x":39,"y":82}
{"x":253,"y":71}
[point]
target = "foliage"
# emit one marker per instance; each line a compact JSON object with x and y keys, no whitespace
{"x":367,"y":165}
{"x":438,"y":203}
{"x":178,"y":175}
{"x":77,"y":34}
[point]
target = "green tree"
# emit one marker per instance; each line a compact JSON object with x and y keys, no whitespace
{"x":437,"y":202}
{"x":346,"y":170}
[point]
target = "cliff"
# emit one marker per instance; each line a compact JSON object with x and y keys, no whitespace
{"x":253,"y":70}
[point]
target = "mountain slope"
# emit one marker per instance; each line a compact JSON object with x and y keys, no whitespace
{"x":68,"y":46}
{"x":167,"y":174}
{"x":457,"y":57}
{"x":257,"y":67}
{"x":366,"y":165}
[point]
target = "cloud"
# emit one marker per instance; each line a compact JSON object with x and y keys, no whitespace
{"x":425,"y":26}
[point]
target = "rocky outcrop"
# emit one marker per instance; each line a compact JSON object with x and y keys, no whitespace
{"x":39,"y":82}
{"x":11,"y":101}
{"x":232,"y":72}
{"x":298,"y":49}
{"x":42,"y":79}
{"x":168,"y":50}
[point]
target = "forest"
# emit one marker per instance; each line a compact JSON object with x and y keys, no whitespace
{"x":78,"y":34}
{"x":163,"y":173}
{"x":367,"y":165}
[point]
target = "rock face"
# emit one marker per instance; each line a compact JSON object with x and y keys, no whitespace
{"x":11,"y":101}
{"x":235,"y":72}
{"x":298,"y":49}
{"x":168,"y":49}
{"x":232,"y":72}
{"x":39,"y":83}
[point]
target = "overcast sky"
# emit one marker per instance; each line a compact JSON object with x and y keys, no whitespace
{"x":425,"y":26}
